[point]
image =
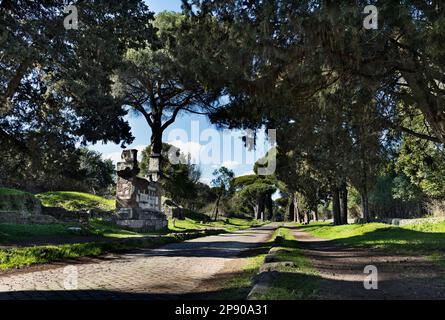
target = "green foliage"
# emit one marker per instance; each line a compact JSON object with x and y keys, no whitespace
{"x":97,"y":175}
{"x":158,"y":82}
{"x":180,"y":180}
{"x":223,"y":179}
{"x":423,"y":162}
{"x":73,"y":201}
{"x":55,"y":87}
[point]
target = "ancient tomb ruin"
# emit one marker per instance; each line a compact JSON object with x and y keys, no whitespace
{"x":138,"y":200}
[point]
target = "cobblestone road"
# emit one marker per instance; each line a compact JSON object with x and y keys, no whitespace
{"x":164,"y":273}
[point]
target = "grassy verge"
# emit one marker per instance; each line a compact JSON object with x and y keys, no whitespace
{"x":296,"y":279}
{"x":21,"y":257}
{"x":73,"y":201}
{"x":229,"y":224}
{"x":426,"y":238}
{"x":17,"y":232}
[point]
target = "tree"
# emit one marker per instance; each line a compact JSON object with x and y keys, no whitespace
{"x":223,"y":183}
{"x":55,"y":86}
{"x":95,"y":174}
{"x":180,"y":181}
{"x":256,"y":192}
{"x":58,"y":72}
{"x":158,"y":82}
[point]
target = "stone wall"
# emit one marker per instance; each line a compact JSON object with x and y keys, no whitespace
{"x":20,"y":203}
{"x":404,"y":222}
{"x":22,"y":208}
{"x":25,"y":218}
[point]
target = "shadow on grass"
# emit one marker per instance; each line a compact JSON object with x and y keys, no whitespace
{"x":391,"y":238}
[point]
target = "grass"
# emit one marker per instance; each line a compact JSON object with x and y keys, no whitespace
{"x":13,"y":232}
{"x":11,"y":192}
{"x":228,"y":225}
{"x":73,"y":201}
{"x":424,"y":238}
{"x":297,"y":281}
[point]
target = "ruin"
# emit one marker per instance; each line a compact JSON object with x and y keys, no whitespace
{"x":138,"y":199}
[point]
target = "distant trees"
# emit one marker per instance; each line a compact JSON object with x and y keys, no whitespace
{"x":181,"y":180}
{"x":254,"y":195}
{"x":61,"y":169}
{"x":223,"y":186}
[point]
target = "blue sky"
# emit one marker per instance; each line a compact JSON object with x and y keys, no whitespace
{"x":192,"y":133}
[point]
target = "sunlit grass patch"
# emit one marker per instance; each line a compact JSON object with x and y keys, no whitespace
{"x":421,"y":238}
{"x":73,"y":201}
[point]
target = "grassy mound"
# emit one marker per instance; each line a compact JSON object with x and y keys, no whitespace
{"x":74,"y":201}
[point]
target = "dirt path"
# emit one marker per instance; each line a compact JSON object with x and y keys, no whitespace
{"x":399,"y":276}
{"x":169,"y":272}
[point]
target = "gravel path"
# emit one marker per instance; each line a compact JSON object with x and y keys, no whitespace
{"x":164,"y":273}
{"x":400,"y":276}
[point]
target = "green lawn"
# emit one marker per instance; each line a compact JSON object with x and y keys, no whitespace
{"x":229,"y":224}
{"x":73,"y":201}
{"x":13,"y":232}
{"x":423,"y":239}
{"x":11,"y":192}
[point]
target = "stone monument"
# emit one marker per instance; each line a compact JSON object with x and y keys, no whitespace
{"x":138,"y":200}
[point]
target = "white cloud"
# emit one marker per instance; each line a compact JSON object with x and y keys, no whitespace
{"x":116,"y":156}
{"x":230,"y":164}
{"x":193,"y":148}
{"x":246,"y":173}
{"x":205,"y":180}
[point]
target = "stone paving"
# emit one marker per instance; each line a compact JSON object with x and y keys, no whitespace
{"x":164,"y":273}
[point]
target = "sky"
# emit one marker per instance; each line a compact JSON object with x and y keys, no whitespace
{"x":193,"y":134}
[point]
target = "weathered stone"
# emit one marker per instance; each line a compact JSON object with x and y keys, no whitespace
{"x":138,"y":199}
{"x":25,"y":218}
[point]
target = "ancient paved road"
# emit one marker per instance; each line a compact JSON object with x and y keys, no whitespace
{"x":164,"y":273}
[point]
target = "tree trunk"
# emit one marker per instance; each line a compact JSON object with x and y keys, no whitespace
{"x":217,"y":207}
{"x":336,"y":206}
{"x":306,"y":217}
{"x":296,"y":210}
{"x":316,"y":213}
{"x":365,"y":204}
{"x":256,"y":210}
{"x":344,"y":204}
{"x":364,"y":193}
{"x":290,"y":211}
{"x":269,"y":207}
